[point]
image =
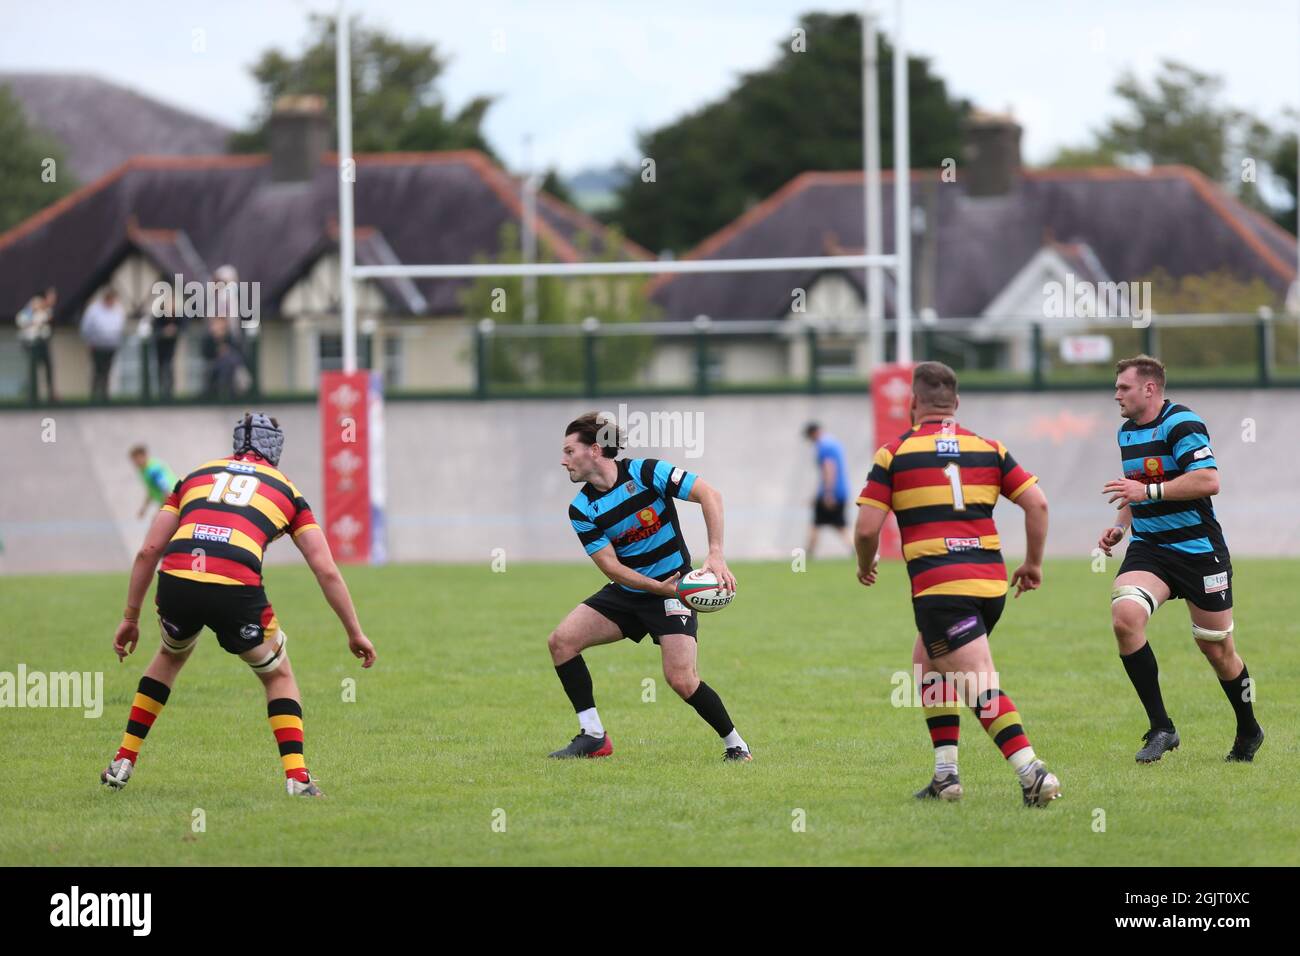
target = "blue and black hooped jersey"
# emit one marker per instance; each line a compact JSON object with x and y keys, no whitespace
{"x":1176,"y":442}
{"x":637,"y":516}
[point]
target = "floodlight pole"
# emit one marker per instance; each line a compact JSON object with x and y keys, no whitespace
{"x":346,"y":173}
{"x":902,"y":196}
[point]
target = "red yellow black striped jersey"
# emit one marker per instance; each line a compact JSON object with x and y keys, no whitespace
{"x":942,"y":483}
{"x":230,"y":510}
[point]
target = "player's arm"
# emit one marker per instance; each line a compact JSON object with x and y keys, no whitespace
{"x":1115,"y":533}
{"x":607,"y":560}
{"x":1201,"y":483}
{"x":142,"y":571}
{"x":316,"y":550}
{"x":866,"y":541}
{"x":876,"y":500}
{"x":710,"y":501}
{"x":1029,"y":576}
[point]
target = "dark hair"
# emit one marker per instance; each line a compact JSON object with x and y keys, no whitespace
{"x":1148,"y":367}
{"x":812,"y":428}
{"x":138,"y":450}
{"x":596,"y":429}
{"x":935,"y":386}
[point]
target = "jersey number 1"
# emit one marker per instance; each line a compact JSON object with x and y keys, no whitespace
{"x":240,"y":491}
{"x":954,"y":480}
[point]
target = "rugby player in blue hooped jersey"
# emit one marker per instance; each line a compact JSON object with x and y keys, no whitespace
{"x":626,"y":520}
{"x":1178,"y":551}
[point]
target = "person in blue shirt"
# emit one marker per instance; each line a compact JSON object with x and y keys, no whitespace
{"x":1178,"y":551}
{"x":625,"y":517}
{"x":832,"y":487}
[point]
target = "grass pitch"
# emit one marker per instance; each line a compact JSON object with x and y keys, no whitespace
{"x":441,"y":758}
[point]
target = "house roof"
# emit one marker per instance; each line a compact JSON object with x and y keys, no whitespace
{"x":102,"y":125}
{"x":1132,"y":222}
{"x":424,"y":207}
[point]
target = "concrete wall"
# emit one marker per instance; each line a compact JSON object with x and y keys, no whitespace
{"x":466,"y":477}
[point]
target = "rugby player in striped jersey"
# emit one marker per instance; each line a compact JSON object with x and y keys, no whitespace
{"x":625,"y":517}
{"x":1177,"y":551}
{"x":211,"y":534}
{"x":942,"y":481}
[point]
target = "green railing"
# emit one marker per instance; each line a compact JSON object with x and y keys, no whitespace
{"x":801,"y":356}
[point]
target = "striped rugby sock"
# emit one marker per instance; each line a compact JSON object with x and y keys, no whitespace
{"x":150,"y":697}
{"x":285,"y":715}
{"x":943,"y":720}
{"x":999,"y":717}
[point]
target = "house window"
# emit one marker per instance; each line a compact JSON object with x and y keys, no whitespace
{"x":392,"y":360}
{"x":329,"y":352}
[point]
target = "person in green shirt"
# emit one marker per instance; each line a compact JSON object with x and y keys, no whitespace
{"x":157,"y":477}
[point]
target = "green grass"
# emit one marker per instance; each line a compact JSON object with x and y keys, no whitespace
{"x":455,"y":719}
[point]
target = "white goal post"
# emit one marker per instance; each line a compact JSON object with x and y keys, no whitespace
{"x":872,"y":260}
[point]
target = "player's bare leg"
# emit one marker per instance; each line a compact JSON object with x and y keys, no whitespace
{"x":584,"y":627}
{"x":150,"y":698}
{"x":978,"y":684}
{"x":679,"y":657}
{"x":270,"y":662}
{"x":1213,"y":633}
{"x":942,"y":712}
{"x":1135,"y":598}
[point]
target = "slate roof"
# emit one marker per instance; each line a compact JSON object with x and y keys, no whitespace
{"x":409,"y":207}
{"x":1132,"y":222}
{"x":101,"y":125}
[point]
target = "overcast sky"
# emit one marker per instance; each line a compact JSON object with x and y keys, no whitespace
{"x":583,"y":76}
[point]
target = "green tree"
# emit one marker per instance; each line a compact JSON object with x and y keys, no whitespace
{"x":559,"y":361}
{"x":24,"y":189}
{"x":804,"y":112}
{"x":1283,"y":161}
{"x":395,"y":100}
{"x":1207,"y":347}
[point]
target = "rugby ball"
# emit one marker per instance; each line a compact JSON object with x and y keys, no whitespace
{"x":701,"y":591}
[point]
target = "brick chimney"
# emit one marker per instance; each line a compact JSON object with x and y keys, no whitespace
{"x":992,"y":153}
{"x":299,"y":137}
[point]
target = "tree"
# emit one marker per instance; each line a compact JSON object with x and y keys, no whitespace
{"x":804,"y":112}
{"x":395,"y":102}
{"x":560,"y":360}
{"x":1283,"y":160}
{"x":27,"y":162}
{"x":1221,"y":292}
{"x":1180,"y":119}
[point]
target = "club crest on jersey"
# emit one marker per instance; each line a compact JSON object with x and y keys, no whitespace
{"x":1215,"y":582}
{"x":947,"y":447}
{"x":961,"y":544}
{"x":211,"y":532}
{"x":630,"y":487}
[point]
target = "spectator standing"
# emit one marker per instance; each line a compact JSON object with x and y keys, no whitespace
{"x":35,"y":328}
{"x":101,"y":328}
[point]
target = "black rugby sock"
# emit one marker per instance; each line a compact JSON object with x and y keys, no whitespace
{"x":708,"y":705}
{"x":1241,"y":694}
{"x":1145,"y":675}
{"x":576,"y":679}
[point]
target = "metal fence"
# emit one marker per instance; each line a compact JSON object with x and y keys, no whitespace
{"x":805,"y":354}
